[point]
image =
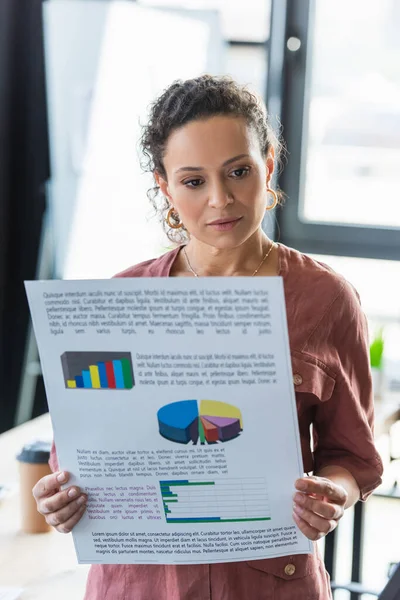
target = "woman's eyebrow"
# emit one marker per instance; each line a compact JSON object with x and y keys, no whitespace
{"x":227,"y":162}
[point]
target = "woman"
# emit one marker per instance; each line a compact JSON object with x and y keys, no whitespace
{"x":212,"y":154}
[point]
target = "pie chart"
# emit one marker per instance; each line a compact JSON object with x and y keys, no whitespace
{"x":199,"y":421}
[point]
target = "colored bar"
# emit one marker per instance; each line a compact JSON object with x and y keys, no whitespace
{"x":79,"y":381}
{"x":180,"y":484}
{"x":119,"y":376}
{"x":71,"y":383}
{"x":102,"y":375}
{"x":169,"y":500}
{"x":245,"y":520}
{"x":110,"y":375}
{"x":87,"y":381}
{"x":213,"y":520}
{"x":172,"y":481}
{"x":95,"y":377}
{"x":127,"y":373}
{"x":200,"y":520}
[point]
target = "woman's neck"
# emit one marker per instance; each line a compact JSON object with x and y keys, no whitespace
{"x":209,"y":261}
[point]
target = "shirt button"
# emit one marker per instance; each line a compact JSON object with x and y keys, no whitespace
{"x":290,"y":569}
{"x":297,"y":379}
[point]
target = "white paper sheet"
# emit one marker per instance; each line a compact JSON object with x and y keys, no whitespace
{"x":186,"y":439}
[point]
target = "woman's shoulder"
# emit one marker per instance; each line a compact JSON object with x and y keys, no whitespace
{"x":305,"y":270}
{"x":154,"y":267}
{"x":313,"y":282}
{"x":142,"y":269}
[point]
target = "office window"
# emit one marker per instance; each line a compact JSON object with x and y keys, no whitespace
{"x":376,"y":281}
{"x":248,"y":66}
{"x":340,"y":78}
{"x":353,"y":154}
{"x":106,"y":62}
{"x":245,"y":30}
{"x":247,"y":22}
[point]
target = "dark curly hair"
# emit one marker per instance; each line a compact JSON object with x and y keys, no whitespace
{"x":199,"y":98}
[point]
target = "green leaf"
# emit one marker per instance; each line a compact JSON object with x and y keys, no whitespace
{"x":376,"y":350}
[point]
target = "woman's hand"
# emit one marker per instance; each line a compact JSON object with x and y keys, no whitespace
{"x":318,"y":506}
{"x":61,"y":508}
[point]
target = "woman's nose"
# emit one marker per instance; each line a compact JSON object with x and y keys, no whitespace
{"x":220,"y":196}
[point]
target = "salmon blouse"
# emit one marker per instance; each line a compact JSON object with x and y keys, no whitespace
{"x":331,"y":376}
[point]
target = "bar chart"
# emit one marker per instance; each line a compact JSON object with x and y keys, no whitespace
{"x":221,"y":500}
{"x":97,"y":370}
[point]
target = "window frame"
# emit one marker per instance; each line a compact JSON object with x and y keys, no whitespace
{"x":288,"y":95}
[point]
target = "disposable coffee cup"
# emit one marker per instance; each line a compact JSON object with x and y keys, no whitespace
{"x":33,"y":465}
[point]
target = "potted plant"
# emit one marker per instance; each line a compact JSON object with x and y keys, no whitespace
{"x":376,"y":360}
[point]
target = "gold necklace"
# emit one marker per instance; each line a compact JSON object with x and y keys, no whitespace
{"x":252,"y":275}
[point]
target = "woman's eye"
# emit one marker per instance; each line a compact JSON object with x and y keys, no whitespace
{"x":240,"y":173}
{"x":193,"y":183}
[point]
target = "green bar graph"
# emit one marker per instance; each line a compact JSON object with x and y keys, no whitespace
{"x":223,"y":500}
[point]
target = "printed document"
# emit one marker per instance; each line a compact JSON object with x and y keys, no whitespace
{"x":173,"y":408}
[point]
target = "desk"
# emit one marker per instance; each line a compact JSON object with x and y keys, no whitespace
{"x":44,"y":564}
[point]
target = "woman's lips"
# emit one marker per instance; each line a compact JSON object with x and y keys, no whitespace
{"x":224,"y":224}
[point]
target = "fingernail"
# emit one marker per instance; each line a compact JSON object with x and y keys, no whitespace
{"x":61,"y":477}
{"x":72,"y":492}
{"x":300,"y":484}
{"x":297,"y":508}
{"x":298,"y":498}
{"x":81,"y":500}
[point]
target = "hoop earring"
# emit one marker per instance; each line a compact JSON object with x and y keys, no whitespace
{"x":275,"y":201}
{"x":170,"y":223}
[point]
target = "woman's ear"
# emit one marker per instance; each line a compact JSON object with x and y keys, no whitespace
{"x":270,"y":164}
{"x":163,"y":185}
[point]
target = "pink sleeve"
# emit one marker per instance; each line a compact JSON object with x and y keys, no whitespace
{"x":53,"y":460}
{"x":344,"y":425}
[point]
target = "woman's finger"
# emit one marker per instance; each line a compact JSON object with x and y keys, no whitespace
{"x":315,"y":522}
{"x":310,"y":532}
{"x":58,"y":501}
{"x":60,"y":517}
{"x":323,"y":487}
{"x":50,"y":484}
{"x":320,"y":507}
{"x":70,"y":524}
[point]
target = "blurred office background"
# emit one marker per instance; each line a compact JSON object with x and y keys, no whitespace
{"x":76,"y":78}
